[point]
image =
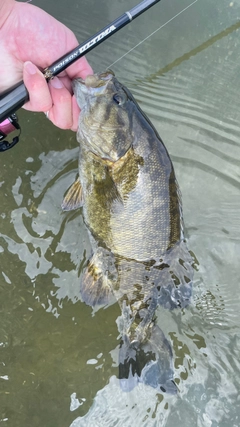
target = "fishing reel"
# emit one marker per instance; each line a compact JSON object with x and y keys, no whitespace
{"x":7,"y":126}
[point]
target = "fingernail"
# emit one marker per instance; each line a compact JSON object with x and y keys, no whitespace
{"x":30,"y":68}
{"x":56,"y":83}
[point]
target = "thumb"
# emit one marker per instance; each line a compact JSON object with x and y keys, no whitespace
{"x":36,"y":84}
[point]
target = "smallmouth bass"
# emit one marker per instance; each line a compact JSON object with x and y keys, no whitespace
{"x":132,"y":208}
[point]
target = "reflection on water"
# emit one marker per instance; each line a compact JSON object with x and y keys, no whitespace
{"x":58,"y":359}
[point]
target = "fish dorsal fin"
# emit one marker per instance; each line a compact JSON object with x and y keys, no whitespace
{"x":74,"y":197}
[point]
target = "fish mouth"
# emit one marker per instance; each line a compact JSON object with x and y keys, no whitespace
{"x":98,"y":80}
{"x":92,"y":85}
{"x":92,"y":82}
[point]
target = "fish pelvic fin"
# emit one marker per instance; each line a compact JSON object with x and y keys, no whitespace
{"x":149,"y":363}
{"x":74,"y":197}
{"x":98,"y":278}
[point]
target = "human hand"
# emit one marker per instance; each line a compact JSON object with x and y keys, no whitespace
{"x":30,"y":38}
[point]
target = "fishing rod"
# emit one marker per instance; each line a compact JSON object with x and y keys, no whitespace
{"x":16,"y":96}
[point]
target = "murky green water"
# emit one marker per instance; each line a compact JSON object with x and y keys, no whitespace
{"x":58,"y":359}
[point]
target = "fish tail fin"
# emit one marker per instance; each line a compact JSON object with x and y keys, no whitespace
{"x":149,"y":363}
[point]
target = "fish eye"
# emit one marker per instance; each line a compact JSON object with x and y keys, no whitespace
{"x":118,"y":99}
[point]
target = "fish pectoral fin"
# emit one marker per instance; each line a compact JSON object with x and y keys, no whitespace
{"x":74,"y":197}
{"x":100,"y":274}
{"x":109,"y":190}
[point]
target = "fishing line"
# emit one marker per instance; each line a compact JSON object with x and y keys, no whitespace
{"x":155,"y":31}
